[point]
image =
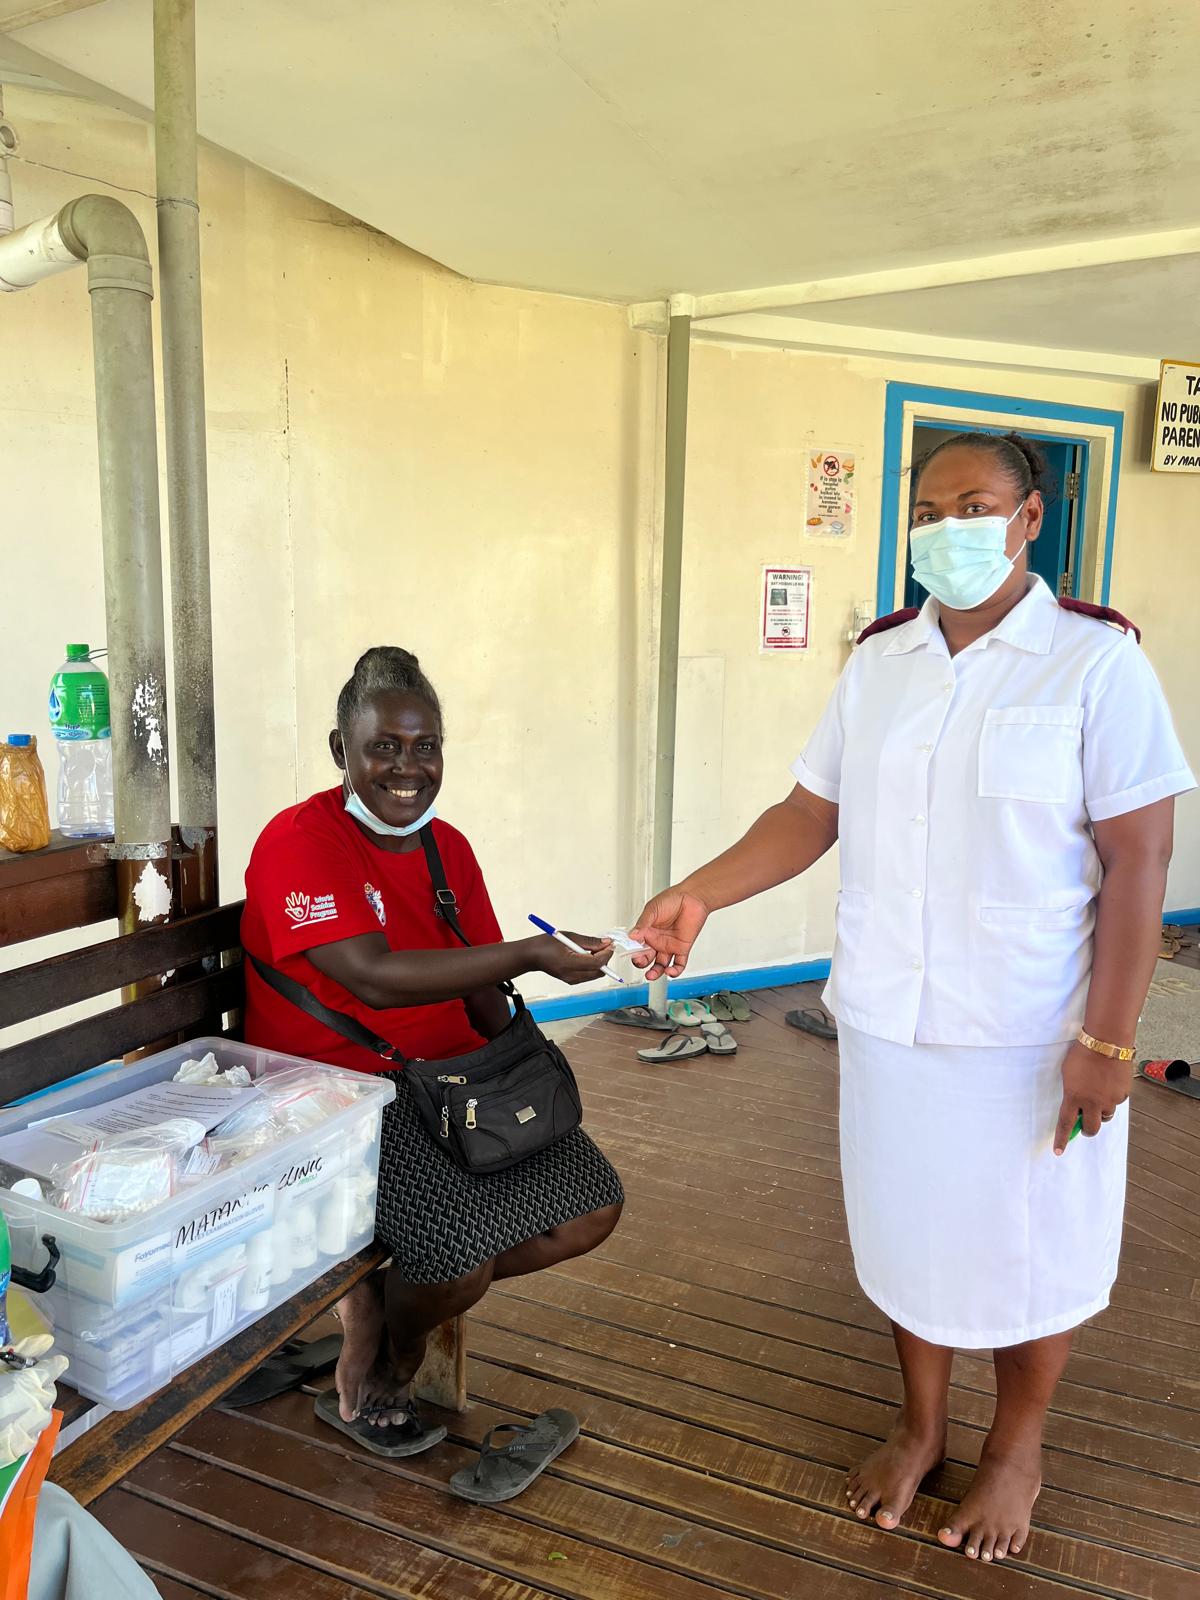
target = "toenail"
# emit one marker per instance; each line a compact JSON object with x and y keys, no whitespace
{"x":986,"y":1556}
{"x":970,"y":1549}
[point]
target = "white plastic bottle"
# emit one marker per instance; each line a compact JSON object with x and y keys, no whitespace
{"x":79,"y":719}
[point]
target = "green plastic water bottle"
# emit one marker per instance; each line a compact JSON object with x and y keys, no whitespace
{"x":82,"y":728}
{"x":5,"y":1276}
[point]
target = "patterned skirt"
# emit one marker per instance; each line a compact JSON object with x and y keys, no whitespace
{"x":440,"y":1223}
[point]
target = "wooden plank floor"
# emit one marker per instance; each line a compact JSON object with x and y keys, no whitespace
{"x":727,"y":1371}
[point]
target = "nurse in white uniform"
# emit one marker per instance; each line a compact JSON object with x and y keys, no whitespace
{"x":999,"y":772}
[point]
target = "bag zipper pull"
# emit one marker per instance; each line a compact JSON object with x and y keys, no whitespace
{"x":452,"y":1080}
{"x":471,"y":1104}
{"x":445,"y":1122}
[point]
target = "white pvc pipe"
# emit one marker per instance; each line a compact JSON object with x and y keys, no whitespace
{"x":32,"y":253}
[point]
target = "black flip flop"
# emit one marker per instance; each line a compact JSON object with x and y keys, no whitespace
{"x":393,"y":1439}
{"x":1176,"y":1075}
{"x":288,"y":1368}
{"x":503,"y":1471}
{"x":640,"y":1017}
{"x":815,"y":1020}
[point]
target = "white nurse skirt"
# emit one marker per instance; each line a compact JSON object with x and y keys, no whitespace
{"x":966,"y":1228}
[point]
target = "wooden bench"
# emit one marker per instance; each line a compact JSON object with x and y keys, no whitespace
{"x":181,"y":979}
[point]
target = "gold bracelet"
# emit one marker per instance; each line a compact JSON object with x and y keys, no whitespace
{"x":1114,"y":1052}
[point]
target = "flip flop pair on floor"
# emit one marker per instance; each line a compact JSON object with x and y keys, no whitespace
{"x":1174,"y":939}
{"x":502,"y":1471}
{"x":707,"y":1016}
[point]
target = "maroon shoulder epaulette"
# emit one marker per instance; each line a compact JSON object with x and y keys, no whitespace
{"x":1085,"y":608}
{"x":885,"y":624}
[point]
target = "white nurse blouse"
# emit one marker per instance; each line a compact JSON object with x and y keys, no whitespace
{"x":967,"y":788}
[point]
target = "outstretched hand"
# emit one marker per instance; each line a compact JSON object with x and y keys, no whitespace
{"x":566,"y":965}
{"x":669,"y":927}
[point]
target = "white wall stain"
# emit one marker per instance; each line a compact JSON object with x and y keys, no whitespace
{"x":147,"y":723}
{"x":152,"y":893}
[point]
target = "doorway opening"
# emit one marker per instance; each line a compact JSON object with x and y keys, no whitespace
{"x":1083,"y":446}
{"x":1055,"y":554}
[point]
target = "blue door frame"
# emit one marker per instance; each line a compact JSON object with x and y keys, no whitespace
{"x":899,"y":395}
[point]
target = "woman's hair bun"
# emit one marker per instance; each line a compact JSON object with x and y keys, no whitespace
{"x":384,"y":669}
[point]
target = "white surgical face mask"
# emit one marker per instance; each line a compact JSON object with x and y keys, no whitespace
{"x":376,"y":824}
{"x":962,"y":561}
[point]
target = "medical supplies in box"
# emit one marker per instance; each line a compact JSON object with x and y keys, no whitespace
{"x":189,"y":1194}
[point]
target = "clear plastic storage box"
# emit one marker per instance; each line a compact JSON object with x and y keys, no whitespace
{"x":137,"y":1301}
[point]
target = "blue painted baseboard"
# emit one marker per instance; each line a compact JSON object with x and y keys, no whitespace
{"x":1183,"y":919}
{"x":630,"y":994}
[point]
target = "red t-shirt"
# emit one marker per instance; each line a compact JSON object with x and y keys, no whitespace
{"x":314,"y":878}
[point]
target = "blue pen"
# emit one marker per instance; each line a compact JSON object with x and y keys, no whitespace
{"x":571,"y":945}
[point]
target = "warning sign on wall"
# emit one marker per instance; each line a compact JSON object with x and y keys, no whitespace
{"x":1177,"y":418}
{"x":830,"y":513}
{"x":785,"y":614}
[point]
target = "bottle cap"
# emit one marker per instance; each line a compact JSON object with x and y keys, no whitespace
{"x":21,"y":740}
{"x":77,"y":652}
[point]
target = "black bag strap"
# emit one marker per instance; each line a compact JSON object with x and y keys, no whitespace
{"x":445,"y":903}
{"x":447,"y":906}
{"x":338,"y":1021}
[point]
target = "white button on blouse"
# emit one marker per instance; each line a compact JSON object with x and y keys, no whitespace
{"x":975,"y":928}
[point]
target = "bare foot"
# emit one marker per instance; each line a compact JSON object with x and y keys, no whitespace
{"x":365,"y":1378}
{"x":885,"y":1485}
{"x":993,"y":1520}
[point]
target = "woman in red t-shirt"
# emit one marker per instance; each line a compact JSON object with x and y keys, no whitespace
{"x":339,"y":898}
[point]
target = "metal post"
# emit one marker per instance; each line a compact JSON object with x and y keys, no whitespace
{"x":106,"y":235}
{"x":679,"y":338}
{"x":181,"y":321}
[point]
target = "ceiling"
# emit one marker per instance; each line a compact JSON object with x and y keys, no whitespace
{"x":1130,"y":307}
{"x":631,"y":150}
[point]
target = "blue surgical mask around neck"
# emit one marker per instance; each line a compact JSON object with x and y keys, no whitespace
{"x":962,"y":561}
{"x":376,"y":824}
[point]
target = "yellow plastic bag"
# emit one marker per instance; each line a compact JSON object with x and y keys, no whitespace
{"x":24,"y":817}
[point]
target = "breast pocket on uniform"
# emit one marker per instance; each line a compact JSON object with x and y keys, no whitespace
{"x":1031,"y":753}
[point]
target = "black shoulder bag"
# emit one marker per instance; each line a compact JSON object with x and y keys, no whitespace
{"x":487,"y":1110}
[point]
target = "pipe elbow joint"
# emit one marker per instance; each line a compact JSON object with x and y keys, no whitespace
{"x":96,"y":224}
{"x":105,"y":233}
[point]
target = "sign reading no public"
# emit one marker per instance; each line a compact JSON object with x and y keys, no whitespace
{"x":1177,"y":418}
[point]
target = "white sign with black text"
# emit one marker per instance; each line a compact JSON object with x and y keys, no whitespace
{"x":1177,"y":418}
{"x":786,"y":611}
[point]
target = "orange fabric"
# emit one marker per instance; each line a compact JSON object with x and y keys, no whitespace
{"x":16,"y":1524}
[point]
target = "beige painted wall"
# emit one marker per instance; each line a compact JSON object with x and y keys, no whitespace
{"x":400,"y":455}
{"x":396,"y":455}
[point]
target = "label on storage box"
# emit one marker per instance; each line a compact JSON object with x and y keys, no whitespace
{"x":311,"y":1171}
{"x":129,"y":1274}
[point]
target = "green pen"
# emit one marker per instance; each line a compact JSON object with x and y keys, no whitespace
{"x":1077,"y":1129}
